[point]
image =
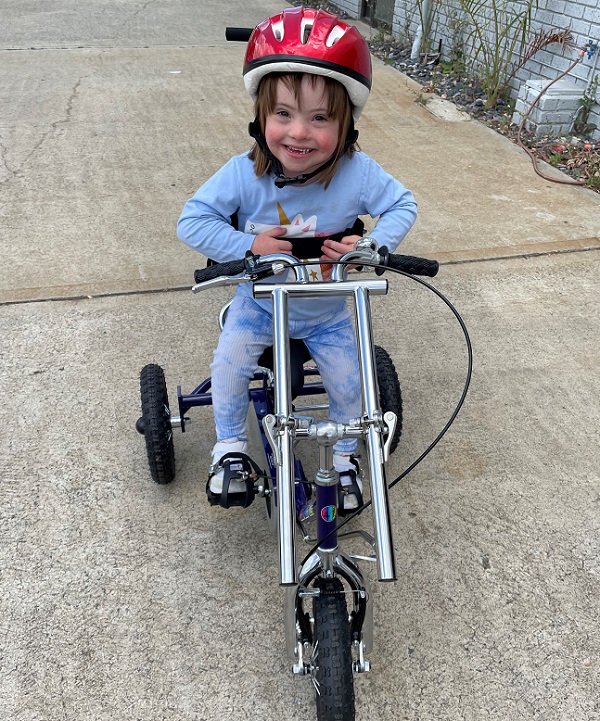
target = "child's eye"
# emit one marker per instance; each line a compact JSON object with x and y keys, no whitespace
{"x":282,"y":113}
{"x":321,"y":118}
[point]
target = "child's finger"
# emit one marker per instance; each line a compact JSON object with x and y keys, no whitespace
{"x":275,"y":232}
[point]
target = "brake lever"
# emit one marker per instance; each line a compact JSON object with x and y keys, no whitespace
{"x":366,"y":250}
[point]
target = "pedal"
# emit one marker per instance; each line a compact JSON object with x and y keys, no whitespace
{"x":352,"y":488}
{"x":236,"y":467}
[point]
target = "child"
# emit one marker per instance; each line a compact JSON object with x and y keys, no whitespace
{"x":309,"y":75}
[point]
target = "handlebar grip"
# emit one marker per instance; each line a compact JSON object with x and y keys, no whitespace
{"x":241,"y":35}
{"x":233,"y":267}
{"x":413,"y":265}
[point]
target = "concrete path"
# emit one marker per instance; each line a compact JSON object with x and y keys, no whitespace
{"x":122,"y":599}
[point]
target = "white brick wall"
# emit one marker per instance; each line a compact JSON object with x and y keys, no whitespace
{"x":582,"y":17}
{"x":554,"y":111}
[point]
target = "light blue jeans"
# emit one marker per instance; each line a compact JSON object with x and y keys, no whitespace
{"x":249,"y":330}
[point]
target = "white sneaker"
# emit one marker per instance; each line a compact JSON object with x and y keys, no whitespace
{"x":347,"y":466}
{"x":221,"y":448}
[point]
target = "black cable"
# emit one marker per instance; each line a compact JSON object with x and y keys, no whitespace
{"x":450,"y":421}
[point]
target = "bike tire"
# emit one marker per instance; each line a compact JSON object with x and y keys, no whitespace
{"x":390,"y":395}
{"x":333,"y":657}
{"x":156,"y":418}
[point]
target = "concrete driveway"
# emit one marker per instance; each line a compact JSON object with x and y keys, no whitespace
{"x":123,"y":599}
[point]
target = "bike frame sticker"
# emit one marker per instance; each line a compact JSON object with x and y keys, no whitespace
{"x":328,"y":513}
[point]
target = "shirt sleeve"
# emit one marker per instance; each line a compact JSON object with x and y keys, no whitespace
{"x":386,"y":197}
{"x":205,"y":223}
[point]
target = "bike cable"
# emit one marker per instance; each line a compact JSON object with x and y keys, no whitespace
{"x":442,"y":433}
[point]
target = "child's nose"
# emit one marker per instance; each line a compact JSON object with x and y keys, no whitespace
{"x":299,"y":129}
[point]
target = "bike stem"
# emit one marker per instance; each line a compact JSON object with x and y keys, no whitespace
{"x":284,"y":427}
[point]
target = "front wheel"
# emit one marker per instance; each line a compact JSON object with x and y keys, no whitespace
{"x":156,"y":423}
{"x":332,"y":654}
{"x":390,"y":396}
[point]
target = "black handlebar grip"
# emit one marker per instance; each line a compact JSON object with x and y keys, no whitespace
{"x":233,"y":267}
{"x":241,"y":35}
{"x":414,"y":266}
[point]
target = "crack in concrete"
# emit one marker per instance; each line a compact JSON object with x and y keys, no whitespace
{"x":141,"y":10}
{"x":135,"y":14}
{"x":14,"y":173}
{"x":4,"y":161}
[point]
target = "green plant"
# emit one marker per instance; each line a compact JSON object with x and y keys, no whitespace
{"x":426,"y":20}
{"x":499,"y":31}
{"x":456,"y":64}
{"x":381,"y":35}
{"x":580,"y":123}
{"x":555,"y":159}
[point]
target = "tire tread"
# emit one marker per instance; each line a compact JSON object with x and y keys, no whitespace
{"x":157,"y":427}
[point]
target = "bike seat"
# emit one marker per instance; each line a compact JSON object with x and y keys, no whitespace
{"x":299,"y":354}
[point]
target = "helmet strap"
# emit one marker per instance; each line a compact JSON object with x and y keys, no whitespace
{"x":281,"y":180}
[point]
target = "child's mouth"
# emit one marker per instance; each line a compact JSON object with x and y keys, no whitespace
{"x":298,"y":151}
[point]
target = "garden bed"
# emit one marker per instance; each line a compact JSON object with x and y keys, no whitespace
{"x":576,"y":155}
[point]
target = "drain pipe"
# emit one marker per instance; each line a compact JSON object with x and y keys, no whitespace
{"x":423,"y":10}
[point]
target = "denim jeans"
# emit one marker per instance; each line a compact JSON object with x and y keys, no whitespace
{"x":249,"y":330}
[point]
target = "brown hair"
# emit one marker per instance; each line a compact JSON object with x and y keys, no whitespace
{"x":338,"y":107}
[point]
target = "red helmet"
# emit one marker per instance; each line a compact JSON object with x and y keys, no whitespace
{"x":304,"y":40}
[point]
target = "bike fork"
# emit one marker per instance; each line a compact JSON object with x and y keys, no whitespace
{"x":336,"y":563}
{"x":328,"y":561}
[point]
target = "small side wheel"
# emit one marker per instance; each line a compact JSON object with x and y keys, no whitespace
{"x":390,"y":396}
{"x":332,"y":654}
{"x":156,"y":423}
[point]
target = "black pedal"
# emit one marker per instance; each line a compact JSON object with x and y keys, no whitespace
{"x":236,"y":467}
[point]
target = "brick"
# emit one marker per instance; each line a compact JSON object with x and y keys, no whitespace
{"x":520,"y":106}
{"x":547,"y":104}
{"x":559,"y":118}
{"x":580,"y":28}
{"x":567,"y":105}
{"x":593,"y":15}
{"x":560,"y":7}
{"x":575,"y":11}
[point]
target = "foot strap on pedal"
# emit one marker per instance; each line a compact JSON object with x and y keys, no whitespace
{"x":236,"y":467}
{"x":349,"y":489}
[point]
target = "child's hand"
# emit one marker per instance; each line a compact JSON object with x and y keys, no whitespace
{"x":332,"y":249}
{"x":270,"y":241}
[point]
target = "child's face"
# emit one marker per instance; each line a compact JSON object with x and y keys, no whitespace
{"x":301,"y":135}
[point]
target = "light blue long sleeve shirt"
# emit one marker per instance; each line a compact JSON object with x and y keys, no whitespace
{"x":359,"y":187}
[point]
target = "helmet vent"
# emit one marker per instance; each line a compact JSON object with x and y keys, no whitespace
{"x":336,"y":33}
{"x":277,"y":28}
{"x":305,"y":30}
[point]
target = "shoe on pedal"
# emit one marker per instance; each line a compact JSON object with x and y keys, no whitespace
{"x":350,"y":488}
{"x":229,"y":481}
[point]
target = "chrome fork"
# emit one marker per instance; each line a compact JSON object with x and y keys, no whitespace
{"x":283,"y":430}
